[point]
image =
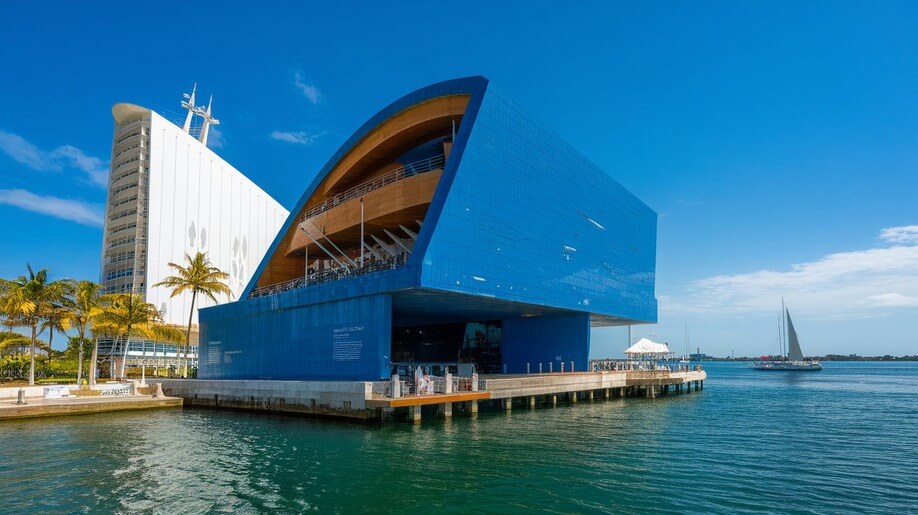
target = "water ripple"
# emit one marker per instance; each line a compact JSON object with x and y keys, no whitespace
{"x":841,"y":441}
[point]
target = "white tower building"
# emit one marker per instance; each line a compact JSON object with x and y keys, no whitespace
{"x":168,"y":195}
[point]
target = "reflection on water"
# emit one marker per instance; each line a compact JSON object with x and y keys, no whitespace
{"x":840,"y":440}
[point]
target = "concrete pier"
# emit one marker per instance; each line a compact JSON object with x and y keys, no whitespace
{"x":340,"y":399}
{"x":370,"y":400}
{"x":40,"y":407}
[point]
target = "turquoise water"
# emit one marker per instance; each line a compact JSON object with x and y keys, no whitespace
{"x":841,"y":440}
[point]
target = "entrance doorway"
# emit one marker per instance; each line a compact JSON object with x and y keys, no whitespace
{"x":454,"y":343}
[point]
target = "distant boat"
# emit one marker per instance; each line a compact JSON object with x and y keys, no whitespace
{"x":793,"y":361}
{"x":685,"y":357}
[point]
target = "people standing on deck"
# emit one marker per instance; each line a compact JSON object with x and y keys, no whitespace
{"x":419,"y":384}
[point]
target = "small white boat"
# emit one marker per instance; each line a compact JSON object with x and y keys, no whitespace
{"x":793,"y":360}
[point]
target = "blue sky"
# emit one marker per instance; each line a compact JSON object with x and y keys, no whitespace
{"x":777,"y":140}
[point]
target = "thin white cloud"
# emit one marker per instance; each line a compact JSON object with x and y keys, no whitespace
{"x":892,"y":300}
{"x":299,"y":137}
{"x":74,"y":210}
{"x":311,"y":92}
{"x":907,"y":234}
{"x":840,"y":284}
{"x":215,"y":138}
{"x":23,"y":151}
{"x":94,"y":168}
{"x":66,"y":156}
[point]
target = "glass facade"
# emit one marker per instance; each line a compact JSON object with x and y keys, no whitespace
{"x":529,"y":219}
{"x":127,"y":207}
{"x":525,"y":239}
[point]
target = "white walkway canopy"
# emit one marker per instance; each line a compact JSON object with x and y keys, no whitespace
{"x":645,"y":347}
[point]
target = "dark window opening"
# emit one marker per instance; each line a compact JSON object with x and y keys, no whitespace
{"x":473,"y":342}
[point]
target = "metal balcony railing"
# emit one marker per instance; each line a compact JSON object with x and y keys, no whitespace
{"x":649,"y":365}
{"x":408,"y":170}
{"x":330,"y":275}
{"x":409,"y":387}
{"x":132,"y":123}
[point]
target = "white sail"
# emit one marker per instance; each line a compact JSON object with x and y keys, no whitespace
{"x":794,"y":360}
{"x":793,"y":344}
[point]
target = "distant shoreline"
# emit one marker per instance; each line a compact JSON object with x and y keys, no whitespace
{"x":830,"y":357}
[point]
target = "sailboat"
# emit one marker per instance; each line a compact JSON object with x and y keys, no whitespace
{"x":794,"y":358}
{"x":685,"y":357}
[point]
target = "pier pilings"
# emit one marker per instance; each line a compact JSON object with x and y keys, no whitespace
{"x":371,"y":400}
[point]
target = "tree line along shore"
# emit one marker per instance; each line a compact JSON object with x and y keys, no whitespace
{"x":34,"y":308}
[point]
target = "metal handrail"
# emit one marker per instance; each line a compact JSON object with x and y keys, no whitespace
{"x":131,"y":124}
{"x":618,"y":365}
{"x":119,"y":154}
{"x":117,"y":168}
{"x":126,"y":138}
{"x":408,"y":387}
{"x":329,"y":275}
{"x":403,"y":172}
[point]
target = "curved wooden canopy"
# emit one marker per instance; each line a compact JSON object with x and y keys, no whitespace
{"x":401,"y":202}
{"x":404,"y":131}
{"x":396,"y":204}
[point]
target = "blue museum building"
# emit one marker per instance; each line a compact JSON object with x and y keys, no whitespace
{"x":452,"y":227}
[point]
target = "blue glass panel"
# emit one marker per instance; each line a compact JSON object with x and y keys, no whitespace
{"x":529,"y":219}
{"x":546,"y":340}
{"x":344,"y":340}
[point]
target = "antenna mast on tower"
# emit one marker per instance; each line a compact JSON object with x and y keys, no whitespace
{"x":189,"y":105}
{"x":208,"y":120}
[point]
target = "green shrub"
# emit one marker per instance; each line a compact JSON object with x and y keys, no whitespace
{"x":56,"y":380}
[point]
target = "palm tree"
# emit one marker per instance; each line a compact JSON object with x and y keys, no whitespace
{"x":200,"y":276}
{"x":31,"y":297}
{"x":11,"y":346}
{"x":100,"y":329}
{"x":127,"y":315}
{"x":9,"y":306}
{"x":82,"y":307}
{"x":13,"y":341}
{"x":57,"y":318}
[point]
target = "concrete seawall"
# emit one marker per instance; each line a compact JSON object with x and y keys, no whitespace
{"x":13,"y":392}
{"x":345,"y":399}
{"x":38,"y":407}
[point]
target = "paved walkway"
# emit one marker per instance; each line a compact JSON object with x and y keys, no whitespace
{"x":41,"y":407}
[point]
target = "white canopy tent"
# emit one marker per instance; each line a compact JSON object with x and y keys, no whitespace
{"x":645,"y":347}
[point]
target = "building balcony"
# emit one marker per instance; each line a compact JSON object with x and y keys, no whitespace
{"x":333,"y":274}
{"x":400,"y":173}
{"x":390,"y":202}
